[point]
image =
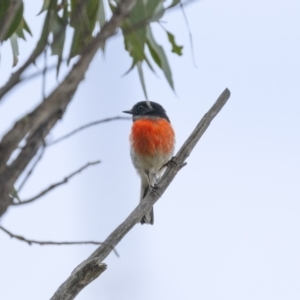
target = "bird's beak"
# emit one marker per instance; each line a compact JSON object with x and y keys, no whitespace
{"x":128,"y":112}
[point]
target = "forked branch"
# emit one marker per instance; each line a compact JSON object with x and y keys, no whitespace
{"x":49,"y":243}
{"x":55,"y":185}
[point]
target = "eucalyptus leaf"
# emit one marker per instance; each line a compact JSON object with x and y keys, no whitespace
{"x":159,"y":51}
{"x":16,"y":20}
{"x":59,"y":34}
{"x":141,"y":76}
{"x":101,"y":14}
{"x":174,"y":3}
{"x":45,"y":6}
{"x":152,"y":7}
{"x":175,"y":48}
{"x":15,"y":48}
{"x":158,"y":12}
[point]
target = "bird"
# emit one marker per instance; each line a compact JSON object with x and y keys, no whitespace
{"x":152,"y":143}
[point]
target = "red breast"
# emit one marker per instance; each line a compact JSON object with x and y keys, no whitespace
{"x":152,"y":136}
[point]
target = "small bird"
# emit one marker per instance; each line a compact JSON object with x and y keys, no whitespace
{"x":152,"y":142}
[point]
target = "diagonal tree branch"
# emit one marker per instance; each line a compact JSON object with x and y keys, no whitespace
{"x":65,"y":290}
{"x":55,"y":185}
{"x":62,"y":95}
{"x":50,"y":110}
{"x":15,"y":78}
{"x":10,"y":174}
{"x":84,"y":276}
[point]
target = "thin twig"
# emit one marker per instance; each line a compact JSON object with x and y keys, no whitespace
{"x":87,"y":126}
{"x":51,"y":243}
{"x":54,"y":185}
{"x":189,"y":31}
{"x":145,"y":205}
{"x":31,"y":169}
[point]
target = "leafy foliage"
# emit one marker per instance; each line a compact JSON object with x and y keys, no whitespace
{"x":86,"y":18}
{"x":16,"y":28}
{"x":138,"y":37}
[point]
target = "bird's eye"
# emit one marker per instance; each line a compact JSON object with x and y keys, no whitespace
{"x":140,"y":108}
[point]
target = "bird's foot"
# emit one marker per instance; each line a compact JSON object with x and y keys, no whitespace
{"x":154,"y":188}
{"x":173,"y":162}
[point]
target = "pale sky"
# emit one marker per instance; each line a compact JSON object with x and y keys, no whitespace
{"x":228,"y":227}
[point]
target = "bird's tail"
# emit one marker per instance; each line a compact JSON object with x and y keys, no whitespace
{"x":148,"y":218}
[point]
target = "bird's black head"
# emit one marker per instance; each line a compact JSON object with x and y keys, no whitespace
{"x":147,"y":109}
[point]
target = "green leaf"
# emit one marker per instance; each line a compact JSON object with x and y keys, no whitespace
{"x":101,"y":14}
{"x":154,"y":54}
{"x":151,"y":7}
{"x":59,"y":34}
{"x":26,"y":27}
{"x":45,"y":6}
{"x":141,"y":75}
{"x":16,"y":21}
{"x":158,"y":12}
{"x":4,"y":5}
{"x":15,"y":48}
{"x":21,"y":28}
{"x":134,"y":41}
{"x":83,"y":24}
{"x":175,"y":48}
{"x":160,"y":57}
{"x":92,"y":14}
{"x":174,"y":3}
{"x":134,"y":29}
{"x":43,"y":41}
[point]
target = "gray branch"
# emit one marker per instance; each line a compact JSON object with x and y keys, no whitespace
{"x":49,"y":243}
{"x":83,"y":276}
{"x":65,"y":291}
{"x":55,"y":185}
{"x":85,"y":126}
{"x":50,"y":110}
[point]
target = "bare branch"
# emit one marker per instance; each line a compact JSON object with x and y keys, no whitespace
{"x":55,"y":185}
{"x":176,"y":163}
{"x":9,"y":17}
{"x":43,"y":243}
{"x":85,"y":127}
{"x":11,"y":172}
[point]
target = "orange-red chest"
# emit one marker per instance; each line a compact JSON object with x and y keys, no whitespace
{"x":150,"y":137}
